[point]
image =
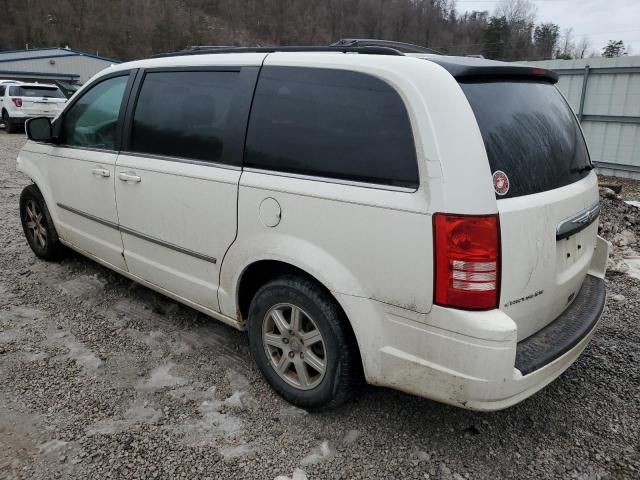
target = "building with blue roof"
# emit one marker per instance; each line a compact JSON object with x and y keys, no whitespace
{"x":48,"y":64}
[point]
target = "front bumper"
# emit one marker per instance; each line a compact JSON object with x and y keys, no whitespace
{"x":472,"y":359}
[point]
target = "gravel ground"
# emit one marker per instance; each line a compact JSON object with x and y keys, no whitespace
{"x":101,"y":378}
{"x":630,"y":189}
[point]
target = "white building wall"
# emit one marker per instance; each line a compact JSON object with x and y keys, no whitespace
{"x":81,"y":65}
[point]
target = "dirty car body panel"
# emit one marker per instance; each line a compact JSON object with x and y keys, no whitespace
{"x":192,"y":229}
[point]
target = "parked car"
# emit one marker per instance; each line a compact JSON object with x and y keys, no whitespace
{"x":427,"y":223}
{"x":19,"y":101}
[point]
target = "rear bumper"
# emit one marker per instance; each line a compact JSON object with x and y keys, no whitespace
{"x":22,"y":117}
{"x":566,"y":331}
{"x":471,"y":359}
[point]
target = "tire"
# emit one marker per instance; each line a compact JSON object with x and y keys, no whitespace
{"x":9,"y":125}
{"x":301,"y":382}
{"x":37,"y":225}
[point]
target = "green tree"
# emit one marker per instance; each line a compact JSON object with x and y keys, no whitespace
{"x":545,"y":38}
{"x":615,"y":48}
{"x":496,"y":37}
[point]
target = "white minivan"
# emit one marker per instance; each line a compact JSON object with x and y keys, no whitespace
{"x":426,"y":223}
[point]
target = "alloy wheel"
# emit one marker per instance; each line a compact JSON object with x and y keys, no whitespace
{"x":294,"y":346}
{"x":35,"y":224}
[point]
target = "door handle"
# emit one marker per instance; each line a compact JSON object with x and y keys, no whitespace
{"x":127,"y":177}
{"x":101,"y":172}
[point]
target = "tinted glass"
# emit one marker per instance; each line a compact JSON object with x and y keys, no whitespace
{"x":43,"y":92}
{"x":2,"y":89}
{"x":184,"y":114}
{"x":330,"y":123}
{"x":93,"y":120}
{"x":530,"y":133}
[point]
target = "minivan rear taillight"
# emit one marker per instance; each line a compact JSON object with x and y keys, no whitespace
{"x":466,"y":261}
{"x":17,"y":102}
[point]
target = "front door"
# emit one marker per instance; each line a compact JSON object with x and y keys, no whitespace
{"x":81,"y":170}
{"x":177,"y":183}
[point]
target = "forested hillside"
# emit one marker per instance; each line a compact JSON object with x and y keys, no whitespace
{"x":130,"y":29}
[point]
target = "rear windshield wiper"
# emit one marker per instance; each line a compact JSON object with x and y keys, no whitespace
{"x":586,"y":168}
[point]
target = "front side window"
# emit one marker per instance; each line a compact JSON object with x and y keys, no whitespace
{"x":92,"y":122}
{"x":331,"y":123}
{"x":184,"y":114}
{"x":2,"y":89}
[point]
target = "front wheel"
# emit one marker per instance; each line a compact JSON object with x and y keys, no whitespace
{"x":37,"y":224}
{"x":301,"y":342}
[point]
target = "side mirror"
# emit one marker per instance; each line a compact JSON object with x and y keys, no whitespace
{"x":39,"y":129}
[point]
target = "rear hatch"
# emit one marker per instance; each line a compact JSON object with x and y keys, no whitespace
{"x":39,"y":100}
{"x":547,"y":195}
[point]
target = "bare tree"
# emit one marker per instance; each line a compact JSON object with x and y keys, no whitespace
{"x":517,"y":11}
{"x":129,"y":29}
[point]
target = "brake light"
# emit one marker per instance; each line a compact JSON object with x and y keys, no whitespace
{"x":17,"y":102}
{"x":466,"y":261}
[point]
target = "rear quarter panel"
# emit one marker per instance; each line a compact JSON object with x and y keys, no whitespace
{"x":370,"y":241}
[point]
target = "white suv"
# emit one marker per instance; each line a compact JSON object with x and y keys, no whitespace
{"x":19,"y":101}
{"x":427,"y":223}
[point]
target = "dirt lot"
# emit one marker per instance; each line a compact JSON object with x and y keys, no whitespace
{"x":101,"y":378}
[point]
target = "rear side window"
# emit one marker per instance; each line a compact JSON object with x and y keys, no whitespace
{"x":2,"y":89}
{"x":530,"y":134}
{"x":331,"y":123}
{"x":184,"y":114}
{"x":44,"y":92}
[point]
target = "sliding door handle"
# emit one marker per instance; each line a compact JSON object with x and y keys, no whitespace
{"x":101,"y":172}
{"x":128,"y":177}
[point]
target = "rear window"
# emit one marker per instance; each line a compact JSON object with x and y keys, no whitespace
{"x":530,"y":134}
{"x":42,"y":92}
{"x":331,"y":123}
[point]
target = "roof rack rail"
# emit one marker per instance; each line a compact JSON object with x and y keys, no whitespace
{"x":206,"y":50}
{"x":371,"y":42}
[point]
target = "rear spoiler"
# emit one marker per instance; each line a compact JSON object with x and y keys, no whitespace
{"x":469,"y":68}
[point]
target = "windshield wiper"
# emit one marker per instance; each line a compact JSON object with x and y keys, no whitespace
{"x":586,"y":168}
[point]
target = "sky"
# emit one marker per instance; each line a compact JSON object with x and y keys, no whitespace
{"x":600,"y":20}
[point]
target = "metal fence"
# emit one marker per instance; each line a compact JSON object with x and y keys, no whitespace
{"x":605,"y":94}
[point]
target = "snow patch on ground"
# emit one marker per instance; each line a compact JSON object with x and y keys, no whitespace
{"x":78,"y":352}
{"x":138,"y":413}
{"x":351,"y":436}
{"x":298,"y":474}
{"x":160,"y":378}
{"x":211,"y":425}
{"x":320,"y":454}
{"x":82,"y":286}
{"x":238,"y":451}
{"x":634,"y":267}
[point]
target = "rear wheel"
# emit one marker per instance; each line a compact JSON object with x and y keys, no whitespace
{"x":37,"y":225}
{"x":9,"y":124}
{"x":302,"y":344}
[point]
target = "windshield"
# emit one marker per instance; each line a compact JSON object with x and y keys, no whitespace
{"x":43,"y":92}
{"x":530,"y":134}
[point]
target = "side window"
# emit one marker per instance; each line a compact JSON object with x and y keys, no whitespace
{"x":331,"y":123}
{"x":93,"y":120}
{"x":184,"y":114}
{"x":2,"y":90}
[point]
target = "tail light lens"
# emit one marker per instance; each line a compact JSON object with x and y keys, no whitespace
{"x":17,"y":102}
{"x":467,"y":261}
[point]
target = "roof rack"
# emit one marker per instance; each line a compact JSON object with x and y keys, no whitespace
{"x":206,"y":50}
{"x":372,"y":42}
